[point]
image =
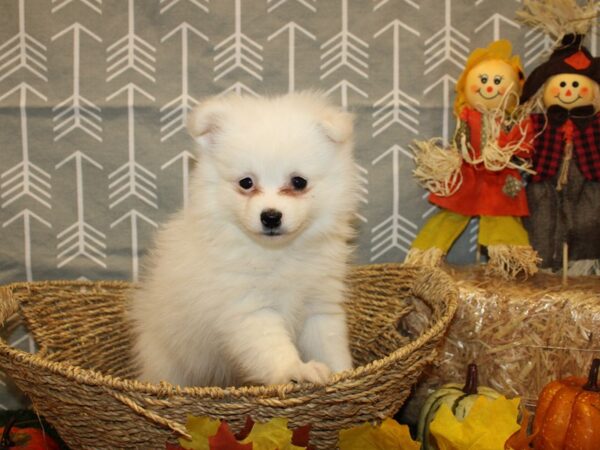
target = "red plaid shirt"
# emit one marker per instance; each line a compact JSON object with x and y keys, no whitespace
{"x":549,"y":145}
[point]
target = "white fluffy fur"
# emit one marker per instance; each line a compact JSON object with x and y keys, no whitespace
{"x":224,"y":304}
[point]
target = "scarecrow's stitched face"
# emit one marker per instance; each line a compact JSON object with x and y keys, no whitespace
{"x":569,"y":90}
{"x":489,"y":82}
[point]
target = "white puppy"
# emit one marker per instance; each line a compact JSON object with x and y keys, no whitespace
{"x":246,"y":286}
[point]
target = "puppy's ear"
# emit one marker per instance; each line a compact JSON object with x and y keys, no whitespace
{"x":338,"y":125}
{"x":204,"y":121}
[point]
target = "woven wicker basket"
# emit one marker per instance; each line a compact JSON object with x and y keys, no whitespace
{"x":81,"y":379}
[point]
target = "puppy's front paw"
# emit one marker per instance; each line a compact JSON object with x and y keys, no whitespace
{"x":313,"y":372}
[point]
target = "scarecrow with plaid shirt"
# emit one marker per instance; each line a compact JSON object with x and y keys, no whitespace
{"x":564,"y":194}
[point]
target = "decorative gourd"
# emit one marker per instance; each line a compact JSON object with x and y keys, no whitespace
{"x":459,"y":399}
{"x":568,"y":413}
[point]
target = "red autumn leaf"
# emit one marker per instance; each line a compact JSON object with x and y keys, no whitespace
{"x":244,"y":432}
{"x":225,"y":440}
{"x":170,"y":446}
{"x":301,"y":436}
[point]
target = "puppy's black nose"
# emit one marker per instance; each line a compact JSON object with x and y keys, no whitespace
{"x":271,"y":218}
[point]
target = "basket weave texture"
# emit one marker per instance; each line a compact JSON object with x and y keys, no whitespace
{"x":83,"y":379}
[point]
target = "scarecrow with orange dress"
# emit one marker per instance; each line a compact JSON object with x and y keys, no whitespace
{"x":480,"y":174}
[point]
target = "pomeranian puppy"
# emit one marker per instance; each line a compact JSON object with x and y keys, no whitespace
{"x":246,"y":286}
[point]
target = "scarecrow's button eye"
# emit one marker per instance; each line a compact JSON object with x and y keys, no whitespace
{"x":575,"y":84}
{"x":497,"y":79}
{"x":483,"y":78}
{"x":563,"y":83}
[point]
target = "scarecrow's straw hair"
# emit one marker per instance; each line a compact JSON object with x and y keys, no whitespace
{"x":557,"y":18}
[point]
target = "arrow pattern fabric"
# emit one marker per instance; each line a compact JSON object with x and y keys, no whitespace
{"x":94,"y":96}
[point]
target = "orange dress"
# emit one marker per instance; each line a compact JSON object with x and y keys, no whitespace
{"x":484,"y":192}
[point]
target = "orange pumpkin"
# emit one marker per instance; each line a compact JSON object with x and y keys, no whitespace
{"x":568,"y":414}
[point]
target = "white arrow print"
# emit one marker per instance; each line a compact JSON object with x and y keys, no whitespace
{"x":447,"y":83}
{"x":132,"y":179}
{"x":495,"y":20}
{"x":306,"y":3}
{"x":95,"y":5}
{"x":537,"y":45}
{"x":185,"y":158}
{"x":351,"y":51}
{"x":31,"y":347}
{"x":175,"y":112}
{"x":396,"y":106}
{"x":429,"y":210}
{"x":239,"y":88}
{"x":383,"y":2}
{"x":133,"y":215}
{"x":23,"y":51}
{"x":473,"y":231}
{"x":25,"y":178}
{"x":133,"y":52}
{"x":291,"y":28}
{"x":81,"y":238}
{"x":345,"y":87}
{"x":594,"y":36}
{"x":243,"y":53}
{"x":396,"y":231}
{"x":165,"y":5}
{"x":363,"y":190}
{"x":479,"y":2}
{"x":77,"y":111}
{"x":27,"y":215}
{"x":448,"y":44}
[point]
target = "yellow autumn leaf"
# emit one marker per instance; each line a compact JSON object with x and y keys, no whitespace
{"x":200,"y":429}
{"x":390,"y":435}
{"x":487,"y":426}
{"x":272,"y":435}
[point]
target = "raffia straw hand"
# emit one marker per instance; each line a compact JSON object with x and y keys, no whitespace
{"x":437,"y":168}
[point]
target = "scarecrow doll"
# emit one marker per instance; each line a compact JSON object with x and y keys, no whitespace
{"x":479,"y":175}
{"x":564,"y":94}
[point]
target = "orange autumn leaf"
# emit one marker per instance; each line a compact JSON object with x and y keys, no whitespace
{"x":389,"y":435}
{"x":520,"y":440}
{"x":225,"y":440}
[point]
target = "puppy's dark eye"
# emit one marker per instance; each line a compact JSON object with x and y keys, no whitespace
{"x":299,"y":183}
{"x":246,"y":183}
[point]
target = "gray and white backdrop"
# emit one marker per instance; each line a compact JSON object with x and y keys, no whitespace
{"x":94,"y":93}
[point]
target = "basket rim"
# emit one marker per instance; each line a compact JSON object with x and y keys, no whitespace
{"x":165,"y":389}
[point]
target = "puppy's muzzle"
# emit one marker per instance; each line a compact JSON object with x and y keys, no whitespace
{"x":271,"y":220}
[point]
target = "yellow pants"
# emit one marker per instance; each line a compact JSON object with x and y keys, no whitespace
{"x":446,"y":226}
